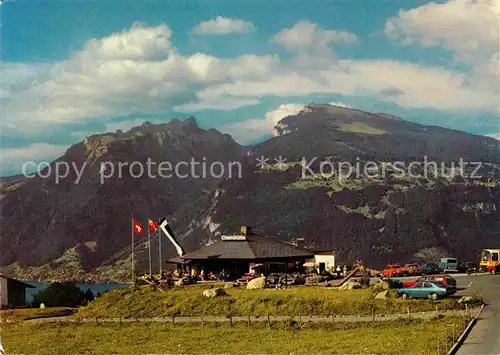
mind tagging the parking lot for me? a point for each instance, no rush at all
(484, 338)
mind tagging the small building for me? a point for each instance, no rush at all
(323, 258)
(242, 253)
(12, 292)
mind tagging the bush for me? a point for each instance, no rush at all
(61, 295)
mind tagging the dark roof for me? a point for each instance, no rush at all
(254, 247)
(176, 260)
(20, 282)
(319, 250)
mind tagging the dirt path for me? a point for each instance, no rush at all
(251, 319)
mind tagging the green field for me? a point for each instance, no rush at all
(308, 301)
(398, 337)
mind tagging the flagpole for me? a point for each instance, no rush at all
(133, 271)
(159, 250)
(149, 249)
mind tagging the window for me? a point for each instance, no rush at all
(418, 284)
(427, 285)
(494, 257)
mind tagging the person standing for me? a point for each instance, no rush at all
(345, 270)
(339, 271)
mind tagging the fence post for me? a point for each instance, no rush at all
(173, 319)
(269, 320)
(249, 319)
(408, 311)
(202, 321)
(373, 314)
(230, 320)
(96, 321)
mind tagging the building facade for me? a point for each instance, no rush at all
(242, 253)
(12, 292)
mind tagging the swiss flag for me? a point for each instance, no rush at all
(137, 227)
(152, 225)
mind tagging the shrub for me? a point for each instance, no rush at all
(61, 295)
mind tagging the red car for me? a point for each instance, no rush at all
(246, 278)
(445, 279)
(393, 270)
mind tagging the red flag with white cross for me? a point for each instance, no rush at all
(137, 227)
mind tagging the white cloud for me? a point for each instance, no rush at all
(219, 103)
(468, 28)
(340, 104)
(283, 111)
(306, 36)
(418, 86)
(250, 130)
(222, 26)
(12, 159)
(247, 131)
(139, 70)
(495, 135)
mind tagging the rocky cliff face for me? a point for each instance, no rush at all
(43, 219)
(376, 217)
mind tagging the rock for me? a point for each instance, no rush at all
(381, 286)
(214, 292)
(256, 284)
(381, 295)
(351, 285)
(465, 299)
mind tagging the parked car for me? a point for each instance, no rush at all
(430, 268)
(444, 279)
(448, 264)
(393, 270)
(427, 289)
(246, 278)
(412, 269)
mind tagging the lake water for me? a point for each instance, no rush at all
(95, 288)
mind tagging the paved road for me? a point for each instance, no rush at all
(484, 338)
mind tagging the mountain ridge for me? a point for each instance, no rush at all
(373, 219)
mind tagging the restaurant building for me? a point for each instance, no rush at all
(245, 253)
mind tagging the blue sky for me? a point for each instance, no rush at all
(70, 69)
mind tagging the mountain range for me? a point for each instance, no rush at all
(341, 178)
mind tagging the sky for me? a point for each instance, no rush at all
(74, 68)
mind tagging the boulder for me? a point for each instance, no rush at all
(214, 292)
(381, 295)
(350, 285)
(256, 284)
